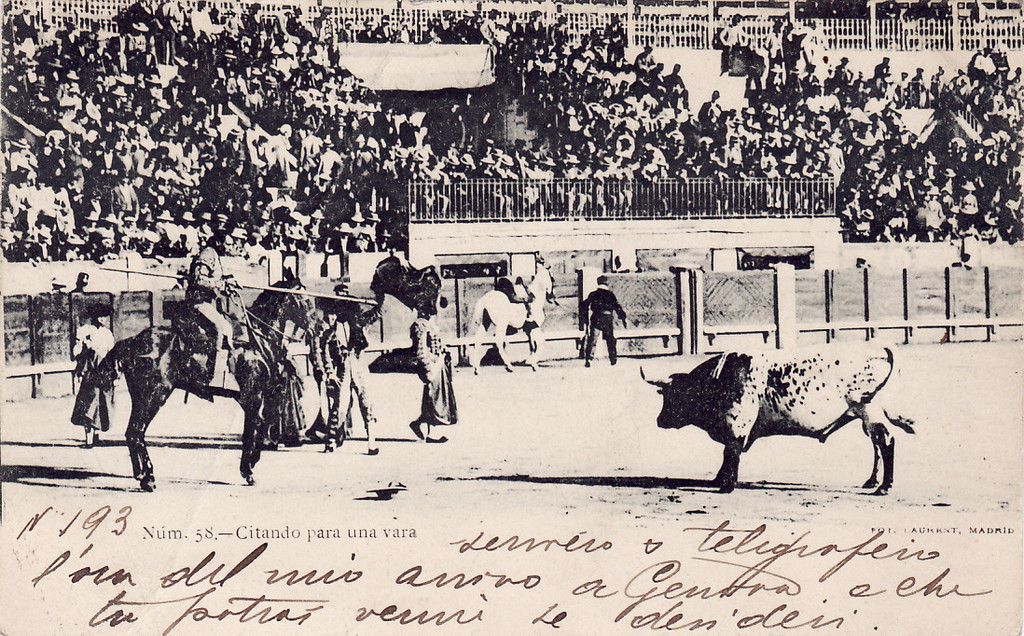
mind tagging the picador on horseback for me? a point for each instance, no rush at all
(201, 323)
(158, 360)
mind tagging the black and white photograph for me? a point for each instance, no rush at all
(511, 317)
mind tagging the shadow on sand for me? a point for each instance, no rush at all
(188, 443)
(31, 475)
(670, 483)
(53, 477)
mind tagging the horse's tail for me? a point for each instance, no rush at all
(480, 315)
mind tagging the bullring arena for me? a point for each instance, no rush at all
(571, 438)
(759, 196)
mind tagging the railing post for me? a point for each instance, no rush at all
(908, 331)
(710, 31)
(459, 299)
(409, 201)
(581, 320)
(869, 333)
(957, 38)
(829, 335)
(696, 317)
(32, 358)
(683, 283)
(989, 328)
(631, 24)
(950, 311)
(784, 306)
(872, 25)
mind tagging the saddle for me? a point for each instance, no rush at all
(204, 365)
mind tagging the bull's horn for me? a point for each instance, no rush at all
(643, 376)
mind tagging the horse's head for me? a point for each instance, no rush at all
(285, 311)
(541, 285)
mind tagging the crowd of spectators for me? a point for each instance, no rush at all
(177, 127)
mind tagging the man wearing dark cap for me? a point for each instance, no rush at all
(345, 370)
(600, 309)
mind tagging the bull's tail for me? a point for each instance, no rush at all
(890, 359)
(904, 423)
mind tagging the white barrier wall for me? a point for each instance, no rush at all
(428, 240)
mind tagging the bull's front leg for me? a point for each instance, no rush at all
(872, 481)
(885, 447)
(728, 474)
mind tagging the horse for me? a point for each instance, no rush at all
(495, 315)
(295, 318)
(417, 289)
(154, 364)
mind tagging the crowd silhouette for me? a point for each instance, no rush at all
(173, 127)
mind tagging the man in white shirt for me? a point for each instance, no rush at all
(93, 341)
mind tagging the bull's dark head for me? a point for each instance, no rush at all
(701, 396)
(670, 415)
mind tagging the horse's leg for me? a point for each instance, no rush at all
(531, 345)
(536, 344)
(144, 409)
(476, 356)
(250, 442)
(501, 341)
(130, 436)
(251, 399)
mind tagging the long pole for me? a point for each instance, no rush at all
(295, 292)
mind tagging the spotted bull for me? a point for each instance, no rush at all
(739, 397)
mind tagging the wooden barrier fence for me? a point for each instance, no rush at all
(681, 311)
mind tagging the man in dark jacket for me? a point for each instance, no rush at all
(345, 370)
(600, 309)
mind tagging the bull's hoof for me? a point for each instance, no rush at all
(870, 483)
(249, 480)
(509, 369)
(476, 370)
(148, 484)
(882, 490)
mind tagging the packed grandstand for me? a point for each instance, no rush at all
(174, 125)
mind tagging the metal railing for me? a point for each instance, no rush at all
(651, 25)
(496, 200)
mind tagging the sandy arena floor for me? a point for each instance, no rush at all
(568, 438)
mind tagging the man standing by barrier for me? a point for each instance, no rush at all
(92, 342)
(600, 309)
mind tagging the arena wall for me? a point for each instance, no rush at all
(669, 312)
(624, 239)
